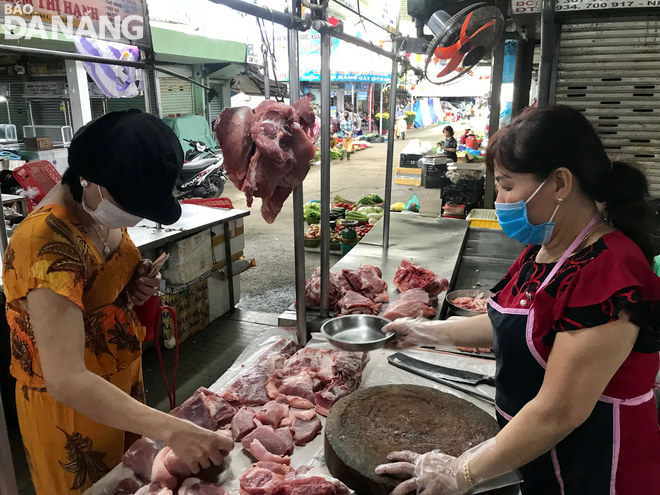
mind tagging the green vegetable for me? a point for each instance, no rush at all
(335, 153)
(312, 213)
(373, 221)
(339, 199)
(371, 199)
(376, 216)
(339, 212)
(364, 209)
(354, 215)
(378, 209)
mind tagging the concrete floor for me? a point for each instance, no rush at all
(269, 286)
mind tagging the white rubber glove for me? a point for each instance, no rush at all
(436, 473)
(413, 332)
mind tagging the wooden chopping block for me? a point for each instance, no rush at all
(364, 427)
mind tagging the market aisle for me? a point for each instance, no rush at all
(270, 286)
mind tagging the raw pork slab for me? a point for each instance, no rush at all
(264, 479)
(233, 130)
(414, 303)
(339, 286)
(128, 486)
(140, 457)
(412, 276)
(367, 280)
(328, 374)
(206, 409)
(277, 442)
(273, 412)
(195, 486)
(353, 303)
(155, 488)
(249, 389)
(304, 431)
(242, 424)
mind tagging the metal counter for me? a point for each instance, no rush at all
(434, 243)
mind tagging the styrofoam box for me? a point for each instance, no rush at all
(237, 239)
(189, 258)
(219, 295)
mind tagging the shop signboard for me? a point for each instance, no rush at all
(534, 6)
(123, 21)
(49, 69)
(45, 89)
(362, 96)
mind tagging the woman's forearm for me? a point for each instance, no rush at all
(100, 401)
(531, 433)
(476, 331)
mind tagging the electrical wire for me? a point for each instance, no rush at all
(269, 53)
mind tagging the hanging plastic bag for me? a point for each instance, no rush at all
(413, 204)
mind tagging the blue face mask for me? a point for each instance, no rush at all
(513, 219)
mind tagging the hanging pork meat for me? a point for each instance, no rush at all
(267, 151)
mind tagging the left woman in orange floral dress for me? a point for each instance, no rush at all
(71, 276)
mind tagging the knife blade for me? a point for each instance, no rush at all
(436, 378)
(451, 374)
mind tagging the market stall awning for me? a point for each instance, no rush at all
(172, 44)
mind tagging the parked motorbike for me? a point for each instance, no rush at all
(203, 174)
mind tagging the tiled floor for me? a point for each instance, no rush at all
(203, 358)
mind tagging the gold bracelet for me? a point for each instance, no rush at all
(466, 472)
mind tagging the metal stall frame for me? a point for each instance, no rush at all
(327, 31)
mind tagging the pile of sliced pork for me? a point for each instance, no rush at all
(267, 151)
(270, 408)
(267, 478)
(361, 291)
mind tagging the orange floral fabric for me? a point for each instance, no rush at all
(68, 452)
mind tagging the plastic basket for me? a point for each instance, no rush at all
(482, 218)
(410, 161)
(39, 175)
(224, 203)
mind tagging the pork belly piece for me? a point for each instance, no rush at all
(414, 303)
(412, 276)
(206, 409)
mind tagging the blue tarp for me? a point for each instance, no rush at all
(434, 116)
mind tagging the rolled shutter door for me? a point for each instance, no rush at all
(176, 96)
(609, 69)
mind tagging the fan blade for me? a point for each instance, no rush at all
(464, 36)
(445, 53)
(481, 29)
(451, 65)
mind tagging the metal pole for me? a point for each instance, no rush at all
(7, 477)
(3, 231)
(370, 102)
(324, 27)
(495, 95)
(522, 77)
(547, 50)
(381, 110)
(325, 174)
(298, 218)
(353, 99)
(287, 20)
(389, 163)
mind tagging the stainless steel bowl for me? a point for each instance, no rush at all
(356, 332)
(455, 310)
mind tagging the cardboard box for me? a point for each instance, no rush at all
(408, 176)
(38, 143)
(190, 258)
(219, 295)
(237, 241)
(191, 305)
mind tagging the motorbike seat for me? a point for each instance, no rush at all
(196, 166)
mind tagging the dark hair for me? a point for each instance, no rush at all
(541, 140)
(449, 129)
(72, 181)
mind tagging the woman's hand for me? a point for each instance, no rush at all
(430, 474)
(197, 447)
(413, 332)
(142, 288)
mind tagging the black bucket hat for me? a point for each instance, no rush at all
(136, 157)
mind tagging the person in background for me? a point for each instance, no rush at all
(471, 141)
(346, 128)
(464, 136)
(72, 276)
(450, 146)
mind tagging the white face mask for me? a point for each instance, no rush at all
(109, 214)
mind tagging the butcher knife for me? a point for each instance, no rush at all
(428, 370)
(447, 373)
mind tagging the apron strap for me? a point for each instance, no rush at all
(578, 240)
